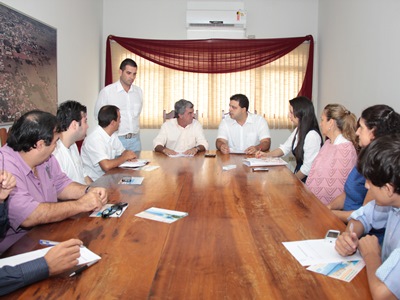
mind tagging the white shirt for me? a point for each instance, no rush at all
(98, 146)
(312, 144)
(70, 161)
(241, 137)
(178, 138)
(130, 105)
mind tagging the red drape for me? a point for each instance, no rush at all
(214, 55)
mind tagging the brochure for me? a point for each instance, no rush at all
(345, 271)
(264, 162)
(162, 215)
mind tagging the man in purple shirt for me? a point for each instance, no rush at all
(40, 181)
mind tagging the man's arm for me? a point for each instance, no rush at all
(263, 146)
(58, 260)
(222, 145)
(108, 164)
(164, 150)
(371, 253)
(58, 211)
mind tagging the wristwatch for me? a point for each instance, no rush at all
(198, 148)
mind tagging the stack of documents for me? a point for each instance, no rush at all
(264, 162)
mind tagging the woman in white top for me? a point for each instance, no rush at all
(305, 141)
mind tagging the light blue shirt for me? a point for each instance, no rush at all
(373, 215)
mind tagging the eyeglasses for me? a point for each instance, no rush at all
(114, 209)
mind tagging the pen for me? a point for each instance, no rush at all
(83, 268)
(48, 243)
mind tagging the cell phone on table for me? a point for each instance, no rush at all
(210, 155)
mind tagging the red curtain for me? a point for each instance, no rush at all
(214, 55)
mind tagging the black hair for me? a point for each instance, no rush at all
(127, 62)
(69, 111)
(107, 114)
(379, 162)
(303, 109)
(30, 128)
(381, 119)
(242, 99)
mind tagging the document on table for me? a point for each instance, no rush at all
(264, 162)
(312, 252)
(180, 155)
(134, 164)
(162, 215)
(86, 257)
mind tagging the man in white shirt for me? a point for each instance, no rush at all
(182, 134)
(102, 150)
(241, 131)
(72, 118)
(129, 99)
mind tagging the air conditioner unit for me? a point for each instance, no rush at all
(215, 14)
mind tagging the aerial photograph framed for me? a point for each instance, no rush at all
(28, 65)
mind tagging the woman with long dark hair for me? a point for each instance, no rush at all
(305, 141)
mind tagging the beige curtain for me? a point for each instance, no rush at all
(269, 88)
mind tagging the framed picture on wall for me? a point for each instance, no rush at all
(28, 65)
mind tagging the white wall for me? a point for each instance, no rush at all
(359, 61)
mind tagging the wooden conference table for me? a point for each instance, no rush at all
(228, 247)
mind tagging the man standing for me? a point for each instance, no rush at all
(102, 150)
(40, 181)
(129, 99)
(241, 131)
(72, 118)
(181, 134)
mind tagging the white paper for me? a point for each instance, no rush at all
(264, 162)
(87, 256)
(236, 151)
(134, 164)
(312, 252)
(181, 155)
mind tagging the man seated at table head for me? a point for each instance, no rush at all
(379, 163)
(102, 150)
(59, 259)
(241, 131)
(40, 181)
(182, 134)
(72, 118)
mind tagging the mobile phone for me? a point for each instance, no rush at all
(332, 235)
(210, 155)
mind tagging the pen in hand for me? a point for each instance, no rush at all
(48, 243)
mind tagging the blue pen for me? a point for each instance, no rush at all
(48, 243)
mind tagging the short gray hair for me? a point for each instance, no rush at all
(181, 105)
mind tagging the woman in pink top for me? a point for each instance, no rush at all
(337, 156)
